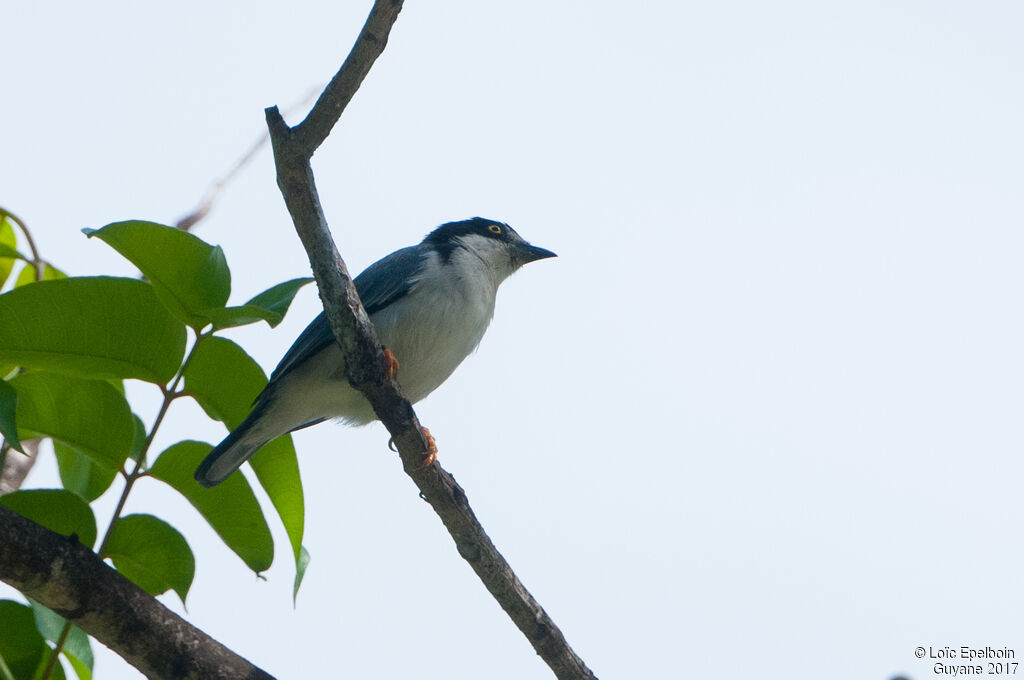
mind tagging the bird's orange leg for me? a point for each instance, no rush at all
(431, 456)
(391, 361)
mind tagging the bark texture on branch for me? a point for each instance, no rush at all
(64, 575)
(364, 358)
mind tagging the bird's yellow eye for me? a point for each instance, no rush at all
(495, 229)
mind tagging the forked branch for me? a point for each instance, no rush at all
(364, 358)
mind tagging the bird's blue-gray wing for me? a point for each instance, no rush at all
(379, 285)
(389, 278)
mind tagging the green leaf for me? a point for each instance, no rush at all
(232, 317)
(83, 671)
(8, 408)
(225, 381)
(57, 510)
(277, 469)
(89, 415)
(230, 507)
(93, 327)
(277, 299)
(189, 275)
(8, 252)
(152, 554)
(138, 438)
(28, 275)
(300, 573)
(77, 648)
(9, 243)
(271, 305)
(80, 475)
(22, 648)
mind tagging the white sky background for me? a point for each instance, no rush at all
(761, 418)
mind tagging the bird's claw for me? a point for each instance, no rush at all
(391, 362)
(431, 456)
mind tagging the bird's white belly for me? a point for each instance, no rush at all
(433, 338)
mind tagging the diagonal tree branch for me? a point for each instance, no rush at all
(364, 359)
(67, 577)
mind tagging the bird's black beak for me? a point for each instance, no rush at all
(528, 253)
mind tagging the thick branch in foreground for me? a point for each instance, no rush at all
(67, 577)
(364, 361)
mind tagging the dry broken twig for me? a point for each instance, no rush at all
(205, 204)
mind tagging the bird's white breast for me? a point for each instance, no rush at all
(439, 322)
(430, 330)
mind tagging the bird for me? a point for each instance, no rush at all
(430, 303)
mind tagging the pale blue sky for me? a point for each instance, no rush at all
(761, 419)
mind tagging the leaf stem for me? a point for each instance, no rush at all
(137, 471)
(37, 261)
(56, 651)
(170, 394)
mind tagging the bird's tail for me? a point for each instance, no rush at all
(228, 456)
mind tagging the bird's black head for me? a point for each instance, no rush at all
(446, 238)
(452, 232)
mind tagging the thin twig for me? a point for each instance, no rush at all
(4, 212)
(205, 204)
(129, 484)
(55, 654)
(363, 357)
